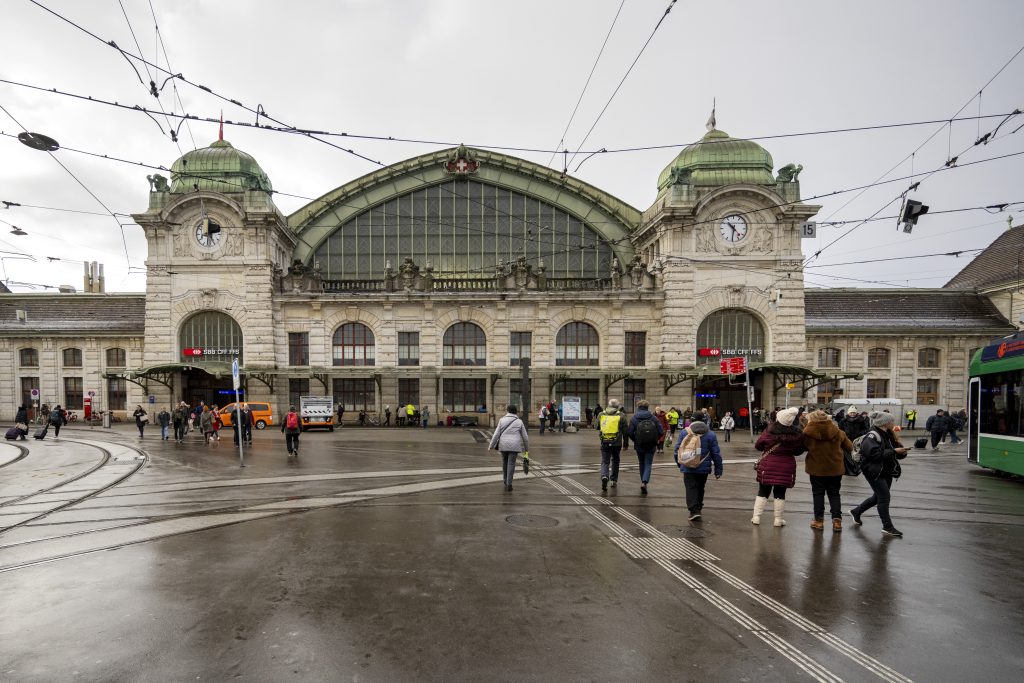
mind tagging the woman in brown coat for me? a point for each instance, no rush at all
(825, 444)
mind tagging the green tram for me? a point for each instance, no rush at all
(995, 437)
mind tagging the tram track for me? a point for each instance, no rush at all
(105, 461)
(21, 456)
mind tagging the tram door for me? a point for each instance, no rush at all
(973, 419)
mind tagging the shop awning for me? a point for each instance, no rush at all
(804, 378)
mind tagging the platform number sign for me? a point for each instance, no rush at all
(808, 230)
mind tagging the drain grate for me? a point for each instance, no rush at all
(532, 521)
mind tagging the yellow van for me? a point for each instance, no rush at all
(261, 413)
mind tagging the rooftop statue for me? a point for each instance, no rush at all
(789, 173)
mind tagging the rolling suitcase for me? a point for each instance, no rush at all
(41, 432)
(13, 434)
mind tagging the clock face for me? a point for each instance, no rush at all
(733, 228)
(208, 233)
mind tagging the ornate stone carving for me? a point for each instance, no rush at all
(157, 183)
(763, 241)
(302, 278)
(789, 173)
(706, 238)
(182, 246)
(408, 273)
(233, 245)
(680, 176)
(461, 162)
(616, 273)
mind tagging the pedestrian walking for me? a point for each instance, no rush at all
(911, 418)
(542, 417)
(58, 418)
(217, 422)
(780, 443)
(237, 425)
(612, 425)
(673, 422)
(880, 453)
(510, 439)
(206, 424)
(180, 421)
(21, 422)
(589, 412)
(728, 424)
(663, 420)
(956, 423)
(552, 416)
(856, 424)
(290, 427)
(645, 430)
(341, 413)
(164, 418)
(696, 452)
(744, 418)
(425, 415)
(824, 464)
(937, 425)
(141, 418)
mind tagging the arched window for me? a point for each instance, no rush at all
(354, 345)
(730, 332)
(465, 344)
(72, 358)
(577, 344)
(829, 357)
(28, 358)
(878, 357)
(116, 358)
(928, 358)
(210, 337)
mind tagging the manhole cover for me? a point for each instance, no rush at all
(682, 531)
(533, 521)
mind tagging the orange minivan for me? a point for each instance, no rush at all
(261, 413)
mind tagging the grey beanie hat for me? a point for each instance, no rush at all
(698, 427)
(882, 420)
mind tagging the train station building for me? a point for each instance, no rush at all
(432, 281)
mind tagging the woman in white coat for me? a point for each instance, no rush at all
(510, 438)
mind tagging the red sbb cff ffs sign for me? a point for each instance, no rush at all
(733, 366)
(192, 352)
(198, 351)
(708, 353)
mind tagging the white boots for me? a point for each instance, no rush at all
(780, 505)
(761, 503)
(759, 506)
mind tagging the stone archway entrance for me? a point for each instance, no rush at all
(199, 385)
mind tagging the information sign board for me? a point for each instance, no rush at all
(571, 408)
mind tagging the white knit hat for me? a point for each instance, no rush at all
(786, 417)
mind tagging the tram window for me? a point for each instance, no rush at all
(1002, 403)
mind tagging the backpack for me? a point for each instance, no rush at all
(610, 427)
(646, 433)
(852, 461)
(689, 451)
(292, 421)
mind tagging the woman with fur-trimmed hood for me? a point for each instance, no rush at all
(825, 444)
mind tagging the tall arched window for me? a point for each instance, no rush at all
(577, 344)
(730, 332)
(829, 357)
(72, 358)
(211, 337)
(354, 345)
(878, 358)
(465, 344)
(116, 358)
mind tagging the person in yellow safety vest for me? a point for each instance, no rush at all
(410, 415)
(673, 421)
(911, 418)
(612, 424)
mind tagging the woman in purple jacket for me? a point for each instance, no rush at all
(776, 470)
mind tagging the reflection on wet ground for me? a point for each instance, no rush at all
(393, 554)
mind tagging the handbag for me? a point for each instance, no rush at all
(851, 465)
(22, 426)
(143, 418)
(757, 465)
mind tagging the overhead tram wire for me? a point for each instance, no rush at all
(99, 201)
(615, 92)
(946, 122)
(167, 60)
(187, 118)
(586, 84)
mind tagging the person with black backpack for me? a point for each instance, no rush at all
(58, 418)
(645, 430)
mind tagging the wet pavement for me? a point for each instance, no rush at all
(395, 554)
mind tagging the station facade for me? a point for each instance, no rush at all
(432, 281)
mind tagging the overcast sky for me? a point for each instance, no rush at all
(509, 74)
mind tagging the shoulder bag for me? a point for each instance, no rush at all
(757, 465)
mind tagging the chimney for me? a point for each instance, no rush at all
(94, 280)
(86, 278)
(102, 281)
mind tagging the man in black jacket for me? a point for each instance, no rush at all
(937, 424)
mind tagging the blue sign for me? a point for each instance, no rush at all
(707, 395)
(152, 398)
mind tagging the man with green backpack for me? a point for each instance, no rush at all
(612, 425)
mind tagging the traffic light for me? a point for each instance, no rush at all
(912, 210)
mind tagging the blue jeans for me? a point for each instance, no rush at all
(953, 438)
(881, 498)
(543, 423)
(646, 460)
(610, 457)
(163, 431)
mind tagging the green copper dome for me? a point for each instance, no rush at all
(218, 168)
(719, 160)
